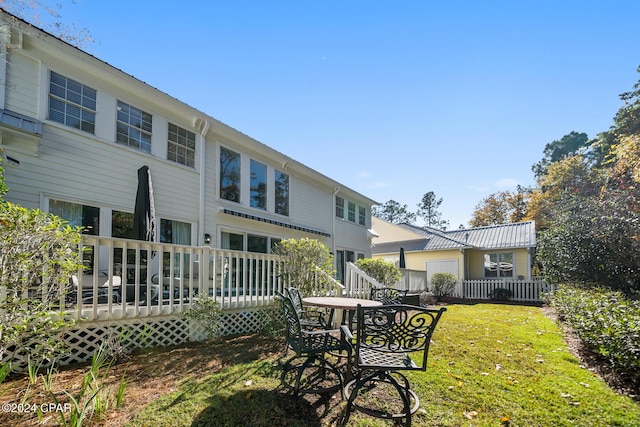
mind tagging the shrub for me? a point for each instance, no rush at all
(307, 264)
(208, 313)
(606, 322)
(443, 284)
(39, 256)
(382, 271)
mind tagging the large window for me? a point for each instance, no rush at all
(498, 265)
(133, 127)
(282, 193)
(258, 189)
(181, 145)
(72, 103)
(229, 175)
(87, 217)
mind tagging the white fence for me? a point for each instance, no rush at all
(517, 290)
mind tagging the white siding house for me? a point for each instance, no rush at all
(74, 131)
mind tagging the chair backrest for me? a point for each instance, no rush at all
(388, 296)
(296, 298)
(293, 330)
(396, 329)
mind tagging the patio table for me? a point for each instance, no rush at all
(348, 305)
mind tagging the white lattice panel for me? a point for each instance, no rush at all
(85, 338)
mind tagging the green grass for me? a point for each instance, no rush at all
(489, 365)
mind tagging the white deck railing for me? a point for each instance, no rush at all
(130, 278)
(357, 283)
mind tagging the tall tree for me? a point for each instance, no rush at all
(32, 12)
(566, 146)
(428, 209)
(394, 213)
(503, 207)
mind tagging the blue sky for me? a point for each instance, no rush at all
(391, 98)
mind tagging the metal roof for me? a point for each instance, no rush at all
(517, 235)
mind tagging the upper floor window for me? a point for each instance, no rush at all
(339, 207)
(181, 145)
(229, 175)
(282, 193)
(498, 265)
(352, 212)
(72, 103)
(362, 215)
(133, 127)
(258, 189)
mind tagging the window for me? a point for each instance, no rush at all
(282, 193)
(77, 215)
(362, 215)
(257, 244)
(122, 225)
(181, 146)
(133, 127)
(352, 212)
(258, 189)
(229, 175)
(175, 232)
(72, 103)
(232, 241)
(339, 207)
(498, 265)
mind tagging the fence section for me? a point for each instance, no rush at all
(513, 290)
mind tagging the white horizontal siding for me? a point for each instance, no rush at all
(22, 92)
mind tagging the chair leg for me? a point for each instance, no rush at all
(404, 392)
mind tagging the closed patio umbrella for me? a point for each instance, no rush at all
(144, 214)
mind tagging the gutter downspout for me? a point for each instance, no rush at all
(203, 143)
(333, 221)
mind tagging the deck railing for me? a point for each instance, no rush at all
(131, 278)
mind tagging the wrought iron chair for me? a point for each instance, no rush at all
(388, 296)
(387, 336)
(310, 376)
(309, 319)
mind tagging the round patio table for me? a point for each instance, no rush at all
(349, 305)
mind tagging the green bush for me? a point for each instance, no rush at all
(606, 322)
(307, 264)
(39, 256)
(443, 284)
(383, 271)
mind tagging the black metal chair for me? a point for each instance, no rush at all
(309, 318)
(387, 336)
(310, 376)
(388, 296)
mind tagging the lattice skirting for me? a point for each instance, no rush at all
(125, 336)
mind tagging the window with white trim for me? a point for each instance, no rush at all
(229, 175)
(339, 207)
(133, 127)
(362, 215)
(72, 103)
(181, 145)
(498, 264)
(258, 186)
(282, 193)
(351, 213)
